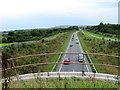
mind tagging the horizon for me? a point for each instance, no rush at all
(29, 14)
(60, 26)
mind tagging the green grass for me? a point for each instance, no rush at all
(90, 34)
(47, 38)
(95, 45)
(5, 44)
(47, 46)
(85, 48)
(64, 83)
(54, 36)
(62, 49)
(82, 42)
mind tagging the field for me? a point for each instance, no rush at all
(100, 45)
(57, 43)
(99, 36)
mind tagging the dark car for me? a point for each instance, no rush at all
(80, 58)
(71, 45)
(77, 42)
(66, 61)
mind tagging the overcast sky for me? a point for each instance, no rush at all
(20, 14)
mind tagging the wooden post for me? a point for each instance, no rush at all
(6, 82)
(13, 62)
(59, 76)
(83, 72)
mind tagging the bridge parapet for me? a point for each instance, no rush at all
(44, 75)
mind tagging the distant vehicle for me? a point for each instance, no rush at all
(71, 45)
(77, 42)
(76, 38)
(66, 61)
(80, 58)
(72, 38)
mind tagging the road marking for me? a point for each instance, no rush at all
(62, 64)
(87, 67)
(82, 51)
(65, 54)
(74, 57)
(91, 62)
(56, 62)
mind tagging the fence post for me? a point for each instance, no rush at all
(48, 74)
(94, 76)
(13, 62)
(59, 75)
(6, 82)
(83, 72)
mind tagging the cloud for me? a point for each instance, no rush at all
(66, 10)
(23, 7)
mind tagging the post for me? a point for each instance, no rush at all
(47, 65)
(13, 62)
(83, 72)
(4, 66)
(59, 76)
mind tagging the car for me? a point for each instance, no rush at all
(66, 61)
(72, 39)
(71, 45)
(80, 58)
(77, 42)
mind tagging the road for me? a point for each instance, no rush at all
(74, 57)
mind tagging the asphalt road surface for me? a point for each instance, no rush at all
(74, 57)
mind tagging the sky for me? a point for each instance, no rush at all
(25, 14)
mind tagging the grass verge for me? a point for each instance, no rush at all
(64, 83)
(47, 38)
(85, 48)
(95, 45)
(90, 34)
(62, 49)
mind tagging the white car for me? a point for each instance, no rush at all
(80, 58)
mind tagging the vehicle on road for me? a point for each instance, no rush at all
(71, 45)
(72, 38)
(80, 58)
(66, 61)
(73, 35)
(77, 42)
(76, 38)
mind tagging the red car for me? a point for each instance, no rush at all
(66, 61)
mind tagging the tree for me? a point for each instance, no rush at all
(101, 23)
(11, 33)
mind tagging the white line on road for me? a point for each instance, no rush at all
(74, 57)
(87, 67)
(56, 62)
(91, 62)
(82, 51)
(65, 54)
